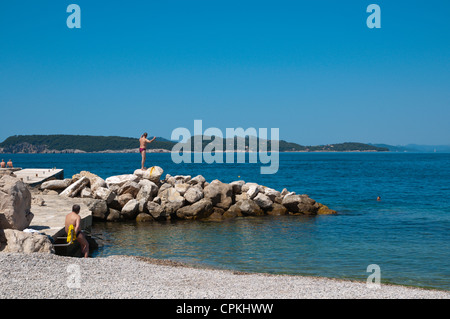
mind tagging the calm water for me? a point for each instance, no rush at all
(407, 234)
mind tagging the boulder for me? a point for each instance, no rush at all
(242, 196)
(156, 211)
(148, 187)
(98, 208)
(271, 193)
(124, 199)
(324, 210)
(95, 181)
(276, 210)
(232, 212)
(252, 191)
(263, 201)
(182, 179)
(86, 193)
(172, 196)
(15, 203)
(247, 186)
(237, 186)
(16, 241)
(113, 215)
(181, 188)
(153, 173)
(216, 215)
(201, 209)
(300, 204)
(143, 217)
(115, 182)
(129, 211)
(197, 180)
(169, 179)
(142, 207)
(129, 187)
(56, 184)
(193, 194)
(163, 187)
(170, 208)
(220, 194)
(75, 188)
(248, 207)
(105, 194)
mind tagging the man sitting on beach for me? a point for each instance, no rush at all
(10, 165)
(3, 164)
(74, 219)
(143, 147)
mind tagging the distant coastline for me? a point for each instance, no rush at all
(53, 144)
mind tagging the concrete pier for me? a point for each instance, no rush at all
(36, 176)
(49, 218)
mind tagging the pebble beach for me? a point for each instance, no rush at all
(49, 276)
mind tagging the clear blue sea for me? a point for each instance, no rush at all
(407, 233)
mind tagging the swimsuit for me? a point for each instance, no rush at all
(141, 149)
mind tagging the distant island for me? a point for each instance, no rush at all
(116, 144)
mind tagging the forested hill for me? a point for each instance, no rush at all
(86, 143)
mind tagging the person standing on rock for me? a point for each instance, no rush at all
(74, 219)
(143, 147)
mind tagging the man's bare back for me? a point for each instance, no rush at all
(74, 219)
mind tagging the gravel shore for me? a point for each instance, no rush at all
(50, 276)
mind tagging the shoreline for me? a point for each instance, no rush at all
(41, 275)
(132, 151)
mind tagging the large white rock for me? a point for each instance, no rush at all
(15, 203)
(57, 184)
(153, 173)
(74, 189)
(130, 209)
(197, 180)
(118, 180)
(148, 190)
(16, 241)
(105, 194)
(182, 188)
(193, 194)
(95, 181)
(252, 191)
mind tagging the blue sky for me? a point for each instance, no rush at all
(313, 69)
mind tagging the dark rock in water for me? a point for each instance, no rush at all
(217, 214)
(143, 217)
(324, 210)
(300, 204)
(276, 210)
(113, 215)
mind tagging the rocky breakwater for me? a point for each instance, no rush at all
(145, 196)
(15, 216)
